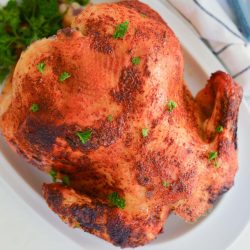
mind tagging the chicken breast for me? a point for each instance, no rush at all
(103, 107)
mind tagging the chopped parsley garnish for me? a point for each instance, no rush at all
(144, 132)
(116, 200)
(143, 15)
(136, 60)
(65, 180)
(53, 174)
(34, 108)
(84, 136)
(219, 129)
(41, 67)
(217, 164)
(77, 225)
(110, 118)
(23, 22)
(212, 155)
(171, 105)
(64, 76)
(165, 184)
(81, 2)
(121, 30)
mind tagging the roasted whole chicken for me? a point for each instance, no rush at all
(103, 107)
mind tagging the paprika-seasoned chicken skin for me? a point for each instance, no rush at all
(103, 106)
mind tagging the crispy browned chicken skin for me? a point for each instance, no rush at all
(167, 170)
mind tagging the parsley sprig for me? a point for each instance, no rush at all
(84, 136)
(66, 180)
(64, 76)
(145, 132)
(166, 184)
(23, 22)
(121, 30)
(34, 108)
(53, 174)
(110, 118)
(213, 155)
(136, 60)
(41, 67)
(219, 129)
(116, 200)
(82, 2)
(171, 105)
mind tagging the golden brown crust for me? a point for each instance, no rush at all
(117, 158)
(219, 104)
(97, 217)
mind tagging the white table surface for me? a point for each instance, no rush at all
(22, 229)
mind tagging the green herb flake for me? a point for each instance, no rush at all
(212, 155)
(171, 105)
(84, 2)
(23, 22)
(116, 200)
(34, 108)
(165, 184)
(64, 76)
(110, 118)
(136, 60)
(219, 129)
(53, 174)
(65, 180)
(121, 30)
(217, 164)
(81, 2)
(41, 67)
(143, 15)
(77, 225)
(144, 132)
(84, 136)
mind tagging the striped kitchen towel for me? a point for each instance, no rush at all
(217, 29)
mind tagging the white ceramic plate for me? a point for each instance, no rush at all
(218, 230)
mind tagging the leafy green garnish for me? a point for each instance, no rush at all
(219, 129)
(121, 30)
(34, 108)
(136, 60)
(212, 155)
(84, 136)
(171, 105)
(144, 132)
(77, 225)
(23, 22)
(217, 164)
(116, 200)
(53, 174)
(41, 67)
(64, 76)
(82, 2)
(165, 184)
(110, 118)
(65, 180)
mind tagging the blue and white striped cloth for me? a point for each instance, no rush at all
(216, 27)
